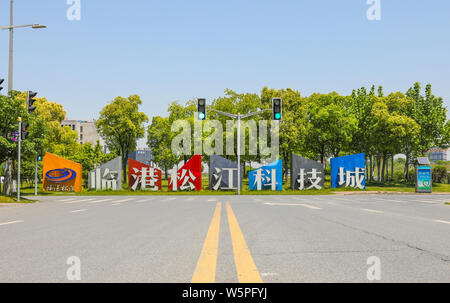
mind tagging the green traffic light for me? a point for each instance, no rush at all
(278, 116)
(201, 116)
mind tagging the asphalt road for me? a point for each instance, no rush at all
(227, 239)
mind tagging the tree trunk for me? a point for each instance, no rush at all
(392, 169)
(407, 168)
(7, 186)
(383, 169)
(378, 168)
(386, 159)
(286, 168)
(367, 169)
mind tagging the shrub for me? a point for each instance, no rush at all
(399, 176)
(439, 174)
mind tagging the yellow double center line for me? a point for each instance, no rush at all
(205, 271)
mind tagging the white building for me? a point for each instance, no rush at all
(439, 154)
(87, 131)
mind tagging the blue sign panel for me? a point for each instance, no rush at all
(268, 177)
(349, 171)
(424, 179)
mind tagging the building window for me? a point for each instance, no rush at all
(73, 127)
(81, 129)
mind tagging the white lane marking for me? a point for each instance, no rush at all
(289, 204)
(115, 204)
(441, 221)
(372, 211)
(9, 223)
(100, 201)
(339, 199)
(168, 199)
(212, 200)
(391, 200)
(78, 211)
(422, 201)
(80, 201)
(68, 200)
(124, 200)
(147, 200)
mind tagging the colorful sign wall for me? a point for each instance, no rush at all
(306, 174)
(61, 175)
(223, 174)
(107, 176)
(268, 177)
(189, 177)
(143, 177)
(349, 171)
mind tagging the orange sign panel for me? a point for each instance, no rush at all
(61, 175)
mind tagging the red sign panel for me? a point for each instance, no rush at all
(189, 177)
(143, 177)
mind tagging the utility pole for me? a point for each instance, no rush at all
(239, 152)
(239, 117)
(36, 176)
(11, 27)
(18, 166)
(11, 47)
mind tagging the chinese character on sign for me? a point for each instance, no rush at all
(218, 176)
(311, 178)
(147, 178)
(186, 177)
(353, 179)
(265, 178)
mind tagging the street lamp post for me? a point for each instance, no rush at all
(11, 28)
(239, 117)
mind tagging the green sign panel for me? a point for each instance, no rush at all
(424, 179)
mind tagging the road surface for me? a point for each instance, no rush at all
(227, 239)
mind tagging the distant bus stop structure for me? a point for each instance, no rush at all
(424, 178)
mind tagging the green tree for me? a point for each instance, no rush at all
(330, 125)
(391, 127)
(12, 108)
(431, 114)
(89, 156)
(121, 125)
(159, 139)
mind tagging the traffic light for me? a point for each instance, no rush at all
(277, 108)
(1, 81)
(40, 157)
(30, 102)
(24, 131)
(202, 109)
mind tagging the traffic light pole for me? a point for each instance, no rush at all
(239, 153)
(18, 166)
(36, 176)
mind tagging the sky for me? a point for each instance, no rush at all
(171, 50)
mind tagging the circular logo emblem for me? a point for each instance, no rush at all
(60, 175)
